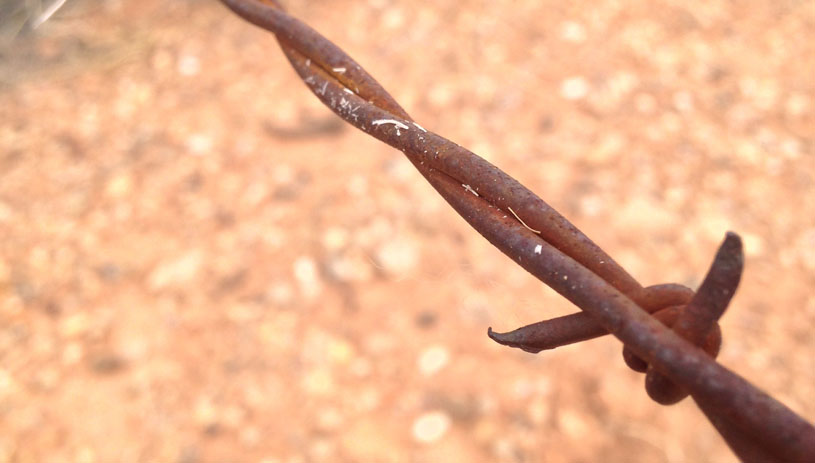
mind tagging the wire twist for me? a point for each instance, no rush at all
(668, 331)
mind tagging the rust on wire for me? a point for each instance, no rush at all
(668, 331)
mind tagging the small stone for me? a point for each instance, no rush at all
(441, 95)
(74, 325)
(398, 257)
(178, 271)
(340, 351)
(797, 104)
(572, 423)
(753, 244)
(426, 319)
(683, 101)
(206, 415)
(189, 65)
(433, 359)
(358, 185)
(430, 427)
(321, 449)
(318, 382)
(72, 353)
(283, 174)
(393, 18)
(199, 144)
(335, 238)
(250, 436)
(607, 149)
(119, 186)
(572, 31)
(305, 272)
(281, 293)
(350, 267)
(539, 411)
(7, 383)
(574, 88)
(107, 363)
(233, 416)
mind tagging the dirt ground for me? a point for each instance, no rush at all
(200, 263)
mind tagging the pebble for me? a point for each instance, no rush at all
(573, 423)
(7, 383)
(683, 101)
(753, 244)
(178, 271)
(74, 325)
(119, 186)
(250, 436)
(319, 382)
(205, 413)
(305, 272)
(72, 354)
(539, 411)
(574, 88)
(398, 257)
(358, 185)
(433, 359)
(188, 65)
(349, 268)
(199, 144)
(430, 427)
(797, 104)
(283, 174)
(572, 31)
(281, 293)
(335, 238)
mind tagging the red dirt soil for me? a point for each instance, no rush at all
(200, 263)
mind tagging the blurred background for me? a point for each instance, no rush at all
(200, 263)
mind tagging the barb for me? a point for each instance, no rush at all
(756, 426)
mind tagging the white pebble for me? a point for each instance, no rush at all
(335, 238)
(430, 427)
(398, 257)
(574, 88)
(189, 65)
(305, 271)
(433, 359)
(199, 143)
(572, 31)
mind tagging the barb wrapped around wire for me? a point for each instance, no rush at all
(660, 326)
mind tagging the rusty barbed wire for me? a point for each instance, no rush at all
(668, 331)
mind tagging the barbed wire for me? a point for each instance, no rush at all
(669, 332)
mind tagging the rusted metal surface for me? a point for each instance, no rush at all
(659, 326)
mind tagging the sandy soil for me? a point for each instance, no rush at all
(200, 263)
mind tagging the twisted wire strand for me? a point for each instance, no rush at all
(534, 235)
